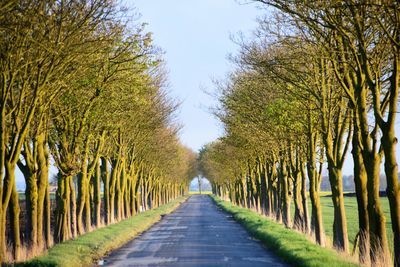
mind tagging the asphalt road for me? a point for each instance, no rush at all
(196, 234)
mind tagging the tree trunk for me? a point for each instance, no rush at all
(298, 222)
(62, 229)
(106, 181)
(360, 181)
(47, 218)
(73, 221)
(372, 160)
(2, 230)
(31, 204)
(389, 141)
(43, 184)
(97, 194)
(279, 190)
(306, 220)
(14, 209)
(3, 142)
(82, 191)
(340, 237)
(15, 229)
(316, 221)
(285, 194)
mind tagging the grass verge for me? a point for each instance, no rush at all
(85, 249)
(295, 248)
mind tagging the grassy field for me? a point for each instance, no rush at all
(294, 247)
(88, 248)
(203, 193)
(351, 215)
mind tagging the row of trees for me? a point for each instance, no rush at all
(81, 88)
(320, 79)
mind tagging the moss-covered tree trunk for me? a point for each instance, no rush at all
(295, 174)
(306, 221)
(106, 181)
(340, 237)
(62, 229)
(389, 142)
(360, 181)
(372, 160)
(113, 188)
(97, 194)
(73, 220)
(14, 217)
(30, 172)
(3, 142)
(279, 197)
(47, 219)
(316, 220)
(284, 178)
(83, 189)
(270, 193)
(298, 221)
(43, 184)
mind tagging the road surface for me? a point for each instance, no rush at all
(196, 234)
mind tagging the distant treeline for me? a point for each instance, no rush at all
(349, 184)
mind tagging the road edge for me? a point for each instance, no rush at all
(87, 249)
(295, 249)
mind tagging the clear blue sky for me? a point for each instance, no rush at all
(195, 36)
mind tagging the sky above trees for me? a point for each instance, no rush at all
(195, 36)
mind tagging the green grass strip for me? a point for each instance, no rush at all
(85, 249)
(291, 246)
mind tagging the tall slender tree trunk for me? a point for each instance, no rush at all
(14, 208)
(279, 205)
(393, 189)
(82, 191)
(43, 184)
(306, 220)
(15, 228)
(47, 218)
(106, 182)
(360, 181)
(73, 220)
(3, 142)
(97, 194)
(2, 232)
(316, 221)
(340, 237)
(113, 189)
(298, 221)
(389, 142)
(285, 194)
(264, 194)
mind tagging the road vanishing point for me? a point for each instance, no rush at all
(197, 233)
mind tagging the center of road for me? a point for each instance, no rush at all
(198, 233)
